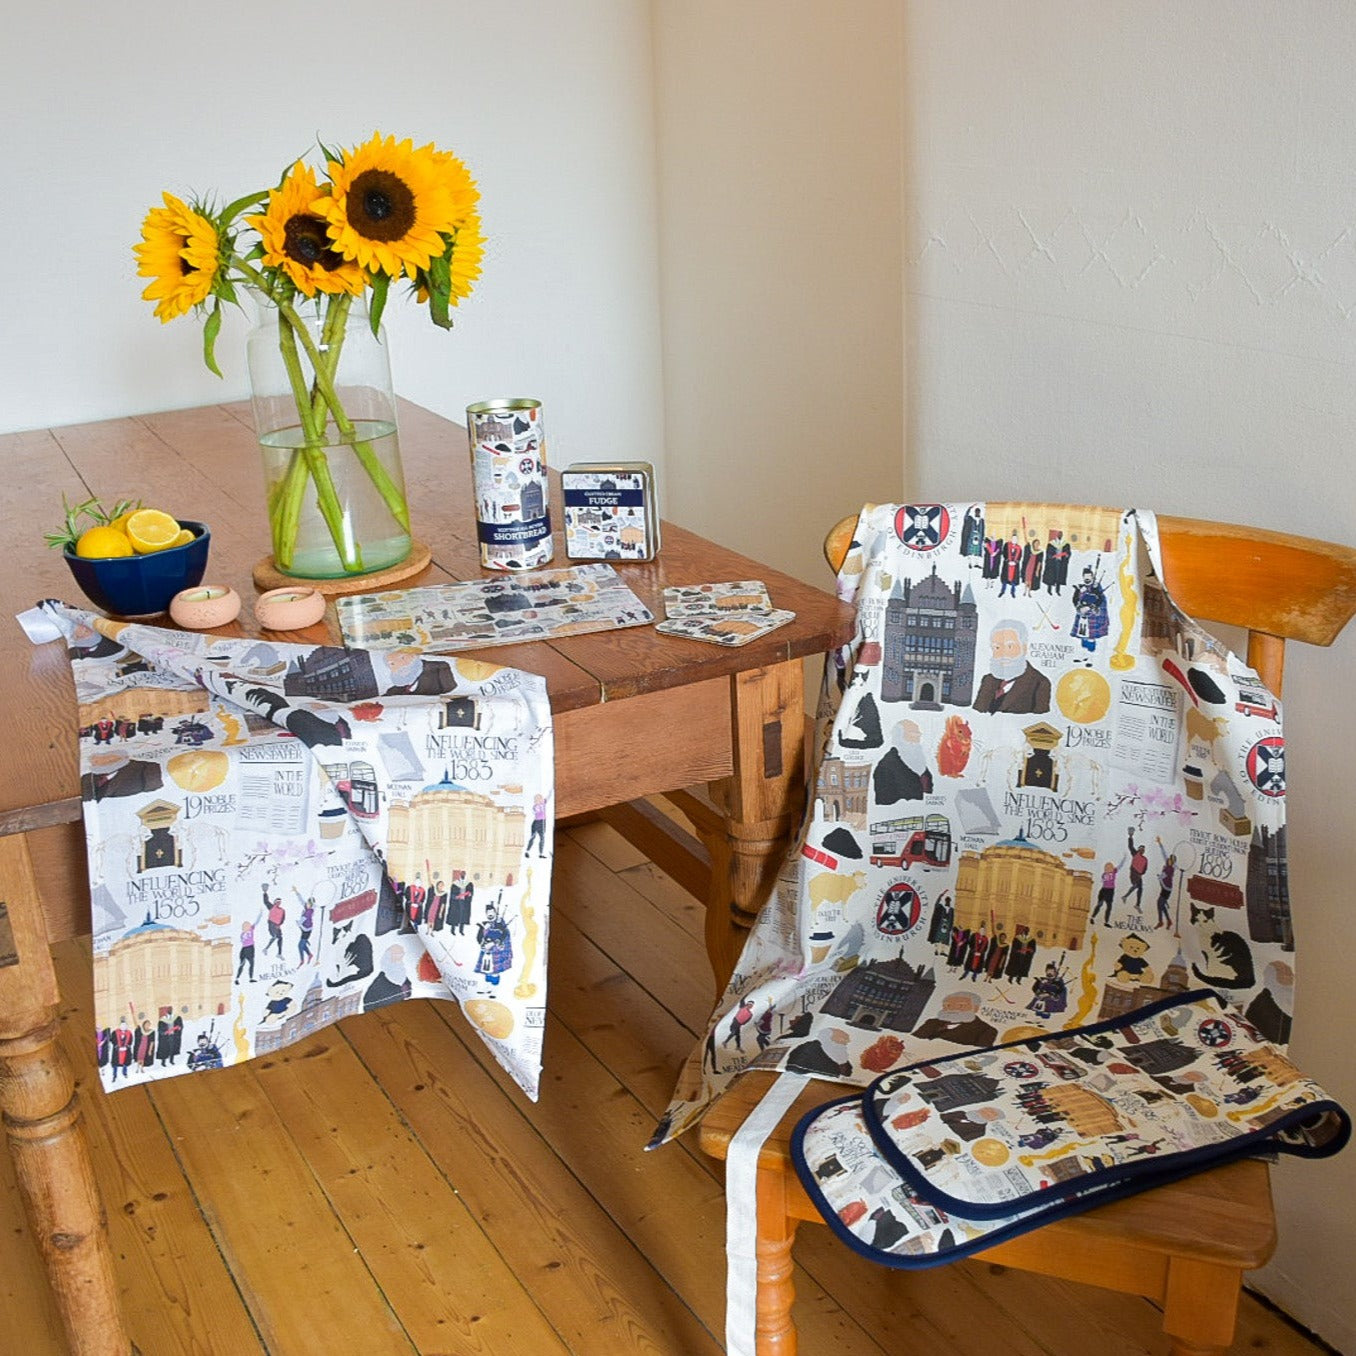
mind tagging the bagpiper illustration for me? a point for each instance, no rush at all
(496, 946)
(1091, 619)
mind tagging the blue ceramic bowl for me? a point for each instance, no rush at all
(137, 586)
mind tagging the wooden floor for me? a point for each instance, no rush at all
(382, 1188)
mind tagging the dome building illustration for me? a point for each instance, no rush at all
(154, 965)
(455, 829)
(1013, 885)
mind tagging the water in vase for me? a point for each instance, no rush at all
(365, 535)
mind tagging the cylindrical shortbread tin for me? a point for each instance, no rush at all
(508, 469)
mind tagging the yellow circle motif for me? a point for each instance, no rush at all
(490, 1015)
(476, 670)
(1083, 695)
(199, 769)
(992, 1153)
(1204, 1106)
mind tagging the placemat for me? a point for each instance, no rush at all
(540, 605)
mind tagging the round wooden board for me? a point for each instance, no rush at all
(268, 576)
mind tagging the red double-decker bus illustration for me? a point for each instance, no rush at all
(919, 840)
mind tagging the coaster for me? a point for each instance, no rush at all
(268, 576)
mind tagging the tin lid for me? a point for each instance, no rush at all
(503, 406)
(644, 468)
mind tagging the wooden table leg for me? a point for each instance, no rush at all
(761, 800)
(43, 1124)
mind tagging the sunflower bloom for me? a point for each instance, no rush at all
(180, 250)
(467, 252)
(390, 205)
(296, 240)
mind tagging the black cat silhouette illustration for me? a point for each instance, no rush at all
(358, 956)
(1232, 953)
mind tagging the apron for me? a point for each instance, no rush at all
(1044, 798)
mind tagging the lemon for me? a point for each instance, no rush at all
(184, 537)
(120, 522)
(151, 530)
(99, 543)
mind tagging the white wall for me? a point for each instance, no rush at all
(549, 105)
(779, 160)
(1132, 279)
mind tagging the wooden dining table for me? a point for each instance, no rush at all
(635, 714)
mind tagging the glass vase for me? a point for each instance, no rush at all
(325, 417)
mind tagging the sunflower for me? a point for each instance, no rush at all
(464, 251)
(467, 251)
(180, 250)
(296, 240)
(390, 205)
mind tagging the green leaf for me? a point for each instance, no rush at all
(232, 210)
(381, 285)
(225, 289)
(332, 157)
(439, 291)
(210, 330)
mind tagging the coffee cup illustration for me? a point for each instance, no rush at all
(819, 945)
(1195, 786)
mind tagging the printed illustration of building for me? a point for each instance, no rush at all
(844, 788)
(316, 1010)
(1117, 1001)
(1038, 768)
(1159, 628)
(1013, 885)
(160, 847)
(884, 995)
(153, 966)
(134, 703)
(1249, 1065)
(455, 830)
(1266, 889)
(1064, 1169)
(953, 1091)
(1085, 529)
(1159, 1057)
(490, 428)
(1080, 1108)
(534, 500)
(331, 673)
(928, 643)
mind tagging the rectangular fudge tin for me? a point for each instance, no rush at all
(611, 512)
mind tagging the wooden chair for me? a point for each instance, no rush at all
(1184, 1246)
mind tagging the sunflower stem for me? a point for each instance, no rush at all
(327, 498)
(332, 343)
(324, 360)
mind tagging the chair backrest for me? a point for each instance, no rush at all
(1276, 586)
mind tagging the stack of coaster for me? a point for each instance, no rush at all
(732, 613)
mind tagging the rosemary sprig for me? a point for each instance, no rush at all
(92, 509)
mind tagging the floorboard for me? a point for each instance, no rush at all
(383, 1188)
